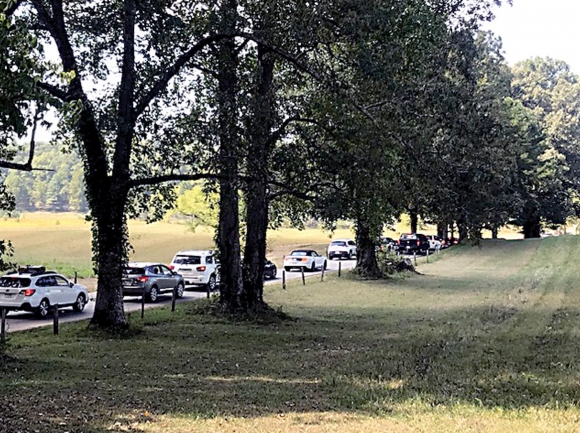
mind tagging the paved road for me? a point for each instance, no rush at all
(20, 321)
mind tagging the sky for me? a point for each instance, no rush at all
(544, 28)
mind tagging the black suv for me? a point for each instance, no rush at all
(413, 243)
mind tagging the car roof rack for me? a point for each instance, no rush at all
(33, 270)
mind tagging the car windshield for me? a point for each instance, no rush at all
(338, 243)
(14, 282)
(299, 253)
(188, 260)
(134, 271)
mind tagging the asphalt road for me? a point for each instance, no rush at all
(21, 321)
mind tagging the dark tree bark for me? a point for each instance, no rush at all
(228, 236)
(260, 146)
(494, 231)
(366, 258)
(414, 220)
(532, 228)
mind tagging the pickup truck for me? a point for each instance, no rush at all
(413, 243)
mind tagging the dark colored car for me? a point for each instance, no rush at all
(413, 243)
(151, 279)
(387, 244)
(270, 270)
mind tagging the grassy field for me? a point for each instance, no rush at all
(63, 241)
(484, 340)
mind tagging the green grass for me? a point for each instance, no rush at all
(485, 340)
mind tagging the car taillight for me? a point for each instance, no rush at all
(28, 292)
(399, 242)
(171, 267)
(143, 279)
(418, 243)
(200, 269)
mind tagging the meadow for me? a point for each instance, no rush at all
(484, 339)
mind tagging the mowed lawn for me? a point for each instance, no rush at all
(484, 340)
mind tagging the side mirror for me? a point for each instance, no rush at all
(71, 284)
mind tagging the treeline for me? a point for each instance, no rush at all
(56, 186)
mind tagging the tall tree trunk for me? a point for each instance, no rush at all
(414, 220)
(494, 231)
(462, 228)
(228, 236)
(111, 233)
(260, 146)
(366, 256)
(532, 227)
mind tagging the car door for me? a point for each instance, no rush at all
(51, 290)
(169, 280)
(352, 246)
(66, 293)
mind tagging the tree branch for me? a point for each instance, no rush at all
(174, 69)
(156, 180)
(55, 91)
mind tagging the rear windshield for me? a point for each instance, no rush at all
(338, 243)
(187, 260)
(14, 282)
(134, 271)
(299, 253)
(408, 236)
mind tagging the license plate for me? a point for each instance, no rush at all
(8, 295)
(127, 281)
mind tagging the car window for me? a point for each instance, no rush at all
(60, 281)
(133, 271)
(209, 260)
(14, 282)
(165, 270)
(187, 260)
(351, 243)
(404, 237)
(299, 253)
(338, 244)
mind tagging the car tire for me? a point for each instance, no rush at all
(287, 268)
(273, 274)
(179, 290)
(80, 303)
(211, 283)
(350, 255)
(43, 309)
(153, 294)
(313, 266)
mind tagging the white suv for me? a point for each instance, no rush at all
(33, 288)
(198, 268)
(341, 248)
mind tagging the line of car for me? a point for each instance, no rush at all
(33, 288)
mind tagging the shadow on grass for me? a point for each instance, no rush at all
(199, 366)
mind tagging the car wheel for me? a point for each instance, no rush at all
(179, 290)
(287, 268)
(350, 255)
(273, 274)
(153, 294)
(313, 266)
(211, 283)
(43, 308)
(79, 304)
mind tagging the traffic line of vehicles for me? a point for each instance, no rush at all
(35, 289)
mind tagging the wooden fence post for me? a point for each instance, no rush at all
(415, 258)
(322, 274)
(339, 268)
(173, 298)
(55, 319)
(303, 279)
(143, 305)
(427, 255)
(3, 326)
(284, 279)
